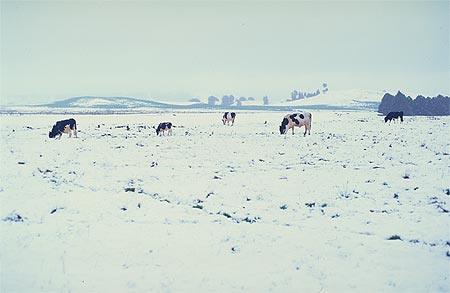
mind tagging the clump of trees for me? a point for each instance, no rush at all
(229, 100)
(426, 106)
(298, 95)
(212, 100)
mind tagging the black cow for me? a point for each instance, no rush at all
(393, 116)
(163, 127)
(63, 126)
(227, 117)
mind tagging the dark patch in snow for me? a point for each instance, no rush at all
(21, 163)
(310, 205)
(283, 207)
(394, 237)
(44, 171)
(13, 217)
(226, 215)
(239, 220)
(251, 220)
(384, 211)
(442, 209)
(55, 210)
(130, 189)
(197, 206)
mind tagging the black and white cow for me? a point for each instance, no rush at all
(163, 127)
(296, 120)
(228, 117)
(63, 126)
(393, 116)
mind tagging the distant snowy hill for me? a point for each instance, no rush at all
(105, 102)
(365, 100)
(350, 99)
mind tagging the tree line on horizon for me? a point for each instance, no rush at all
(420, 106)
(228, 100)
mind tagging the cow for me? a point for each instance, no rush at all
(64, 126)
(296, 120)
(163, 127)
(227, 117)
(393, 116)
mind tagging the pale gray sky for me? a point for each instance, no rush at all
(175, 50)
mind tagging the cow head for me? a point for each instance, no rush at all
(283, 126)
(53, 133)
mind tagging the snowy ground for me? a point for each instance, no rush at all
(357, 206)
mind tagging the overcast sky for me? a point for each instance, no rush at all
(176, 50)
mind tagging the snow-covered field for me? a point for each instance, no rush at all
(357, 206)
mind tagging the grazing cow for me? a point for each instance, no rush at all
(163, 127)
(393, 116)
(227, 117)
(296, 120)
(63, 126)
